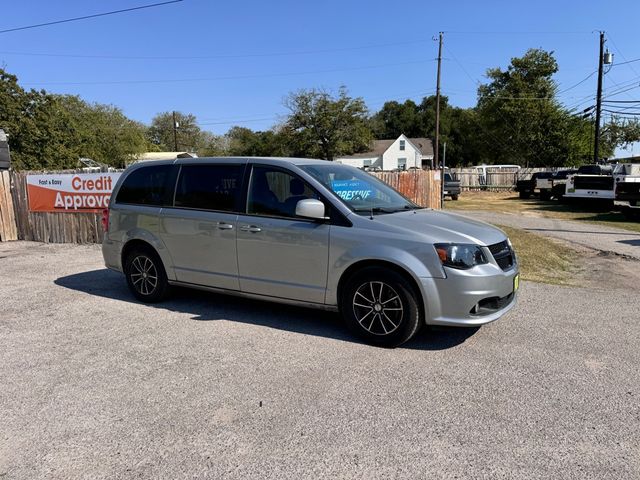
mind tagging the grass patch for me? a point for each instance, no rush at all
(543, 260)
(508, 202)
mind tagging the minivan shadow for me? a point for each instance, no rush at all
(206, 306)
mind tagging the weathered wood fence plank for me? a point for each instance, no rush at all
(8, 227)
(420, 186)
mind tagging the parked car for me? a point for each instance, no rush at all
(451, 187)
(311, 233)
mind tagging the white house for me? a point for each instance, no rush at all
(402, 153)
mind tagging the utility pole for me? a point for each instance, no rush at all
(596, 144)
(175, 132)
(437, 145)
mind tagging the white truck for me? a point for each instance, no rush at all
(628, 191)
(597, 182)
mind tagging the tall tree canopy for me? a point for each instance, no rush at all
(53, 131)
(323, 126)
(522, 120)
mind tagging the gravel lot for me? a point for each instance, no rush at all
(95, 385)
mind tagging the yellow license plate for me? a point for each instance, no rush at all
(516, 282)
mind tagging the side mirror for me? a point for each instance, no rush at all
(310, 208)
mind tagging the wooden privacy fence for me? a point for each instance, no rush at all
(8, 227)
(422, 187)
(493, 178)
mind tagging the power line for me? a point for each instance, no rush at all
(213, 57)
(75, 19)
(626, 62)
(233, 77)
(621, 113)
(579, 83)
(229, 122)
(507, 32)
(244, 119)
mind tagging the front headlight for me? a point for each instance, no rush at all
(462, 256)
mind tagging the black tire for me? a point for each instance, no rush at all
(545, 195)
(557, 191)
(454, 196)
(365, 295)
(141, 267)
(524, 194)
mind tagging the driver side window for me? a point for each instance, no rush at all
(276, 193)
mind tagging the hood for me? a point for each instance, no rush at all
(444, 227)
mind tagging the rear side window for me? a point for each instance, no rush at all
(210, 187)
(151, 185)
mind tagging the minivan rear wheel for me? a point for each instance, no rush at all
(145, 275)
(381, 307)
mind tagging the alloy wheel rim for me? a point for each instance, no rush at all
(377, 308)
(144, 275)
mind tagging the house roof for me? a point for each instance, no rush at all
(424, 144)
(380, 146)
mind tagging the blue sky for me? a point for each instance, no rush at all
(233, 62)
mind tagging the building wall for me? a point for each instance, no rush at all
(393, 153)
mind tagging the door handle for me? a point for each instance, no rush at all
(250, 228)
(225, 226)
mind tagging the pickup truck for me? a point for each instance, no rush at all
(593, 182)
(526, 188)
(451, 187)
(628, 191)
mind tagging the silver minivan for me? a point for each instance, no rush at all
(307, 232)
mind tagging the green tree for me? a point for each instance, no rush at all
(320, 125)
(103, 133)
(53, 131)
(522, 120)
(245, 142)
(37, 125)
(395, 119)
(161, 132)
(190, 137)
(620, 132)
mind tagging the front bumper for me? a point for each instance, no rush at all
(454, 301)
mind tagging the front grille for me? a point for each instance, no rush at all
(502, 254)
(498, 247)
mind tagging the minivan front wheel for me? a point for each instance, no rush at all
(381, 307)
(146, 276)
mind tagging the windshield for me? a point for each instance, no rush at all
(361, 192)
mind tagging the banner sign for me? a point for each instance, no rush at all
(350, 189)
(71, 193)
